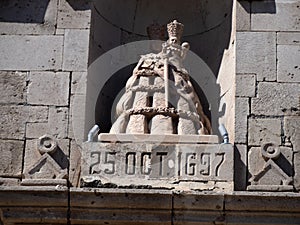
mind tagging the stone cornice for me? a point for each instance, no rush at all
(145, 206)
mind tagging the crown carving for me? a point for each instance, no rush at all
(175, 29)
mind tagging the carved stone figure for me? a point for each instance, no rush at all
(159, 97)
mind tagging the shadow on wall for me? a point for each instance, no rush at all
(32, 11)
(207, 24)
(105, 107)
(79, 4)
(268, 6)
(23, 11)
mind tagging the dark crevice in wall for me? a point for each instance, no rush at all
(23, 11)
(69, 205)
(172, 209)
(80, 4)
(104, 112)
(264, 7)
(268, 6)
(208, 35)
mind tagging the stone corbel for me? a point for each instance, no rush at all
(271, 177)
(48, 169)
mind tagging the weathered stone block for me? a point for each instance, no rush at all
(275, 98)
(292, 131)
(112, 206)
(35, 130)
(241, 119)
(9, 181)
(79, 82)
(12, 87)
(57, 124)
(191, 208)
(45, 162)
(31, 52)
(288, 38)
(267, 201)
(58, 121)
(270, 168)
(37, 114)
(74, 14)
(14, 118)
(280, 16)
(76, 47)
(288, 67)
(75, 163)
(12, 122)
(262, 131)
(11, 158)
(120, 199)
(242, 15)
(256, 53)
(196, 201)
(28, 205)
(297, 170)
(76, 123)
(255, 161)
(284, 160)
(48, 88)
(32, 153)
(28, 17)
(245, 85)
(125, 164)
(60, 32)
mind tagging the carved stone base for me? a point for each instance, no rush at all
(270, 188)
(158, 138)
(44, 182)
(182, 166)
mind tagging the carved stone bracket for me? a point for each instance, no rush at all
(48, 169)
(272, 177)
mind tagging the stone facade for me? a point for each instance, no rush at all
(252, 47)
(40, 63)
(267, 80)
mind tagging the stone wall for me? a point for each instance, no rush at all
(44, 62)
(44, 53)
(267, 84)
(46, 49)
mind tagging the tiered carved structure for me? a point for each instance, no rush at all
(159, 97)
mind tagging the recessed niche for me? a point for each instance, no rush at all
(208, 27)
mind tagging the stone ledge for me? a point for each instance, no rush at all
(137, 206)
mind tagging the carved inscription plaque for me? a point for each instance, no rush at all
(148, 164)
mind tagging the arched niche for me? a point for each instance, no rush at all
(209, 29)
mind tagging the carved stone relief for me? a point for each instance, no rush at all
(46, 164)
(270, 169)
